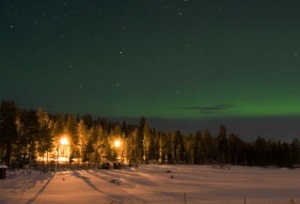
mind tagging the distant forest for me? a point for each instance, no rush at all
(26, 135)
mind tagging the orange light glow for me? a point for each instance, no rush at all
(117, 143)
(64, 141)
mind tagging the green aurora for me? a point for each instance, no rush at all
(188, 59)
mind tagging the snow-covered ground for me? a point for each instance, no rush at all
(154, 184)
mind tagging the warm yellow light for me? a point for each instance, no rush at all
(64, 141)
(117, 143)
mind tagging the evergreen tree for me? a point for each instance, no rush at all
(8, 130)
(88, 150)
(71, 129)
(88, 121)
(198, 148)
(162, 153)
(59, 125)
(46, 138)
(190, 149)
(30, 134)
(222, 144)
(295, 151)
(249, 159)
(272, 153)
(84, 136)
(143, 142)
(151, 146)
(260, 147)
(165, 147)
(209, 147)
(133, 151)
(180, 150)
(235, 149)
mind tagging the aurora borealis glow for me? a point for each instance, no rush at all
(171, 60)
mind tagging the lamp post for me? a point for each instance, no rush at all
(64, 147)
(118, 146)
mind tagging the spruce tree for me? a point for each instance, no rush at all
(8, 130)
(222, 144)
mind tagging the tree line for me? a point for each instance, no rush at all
(26, 135)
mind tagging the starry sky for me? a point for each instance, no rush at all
(186, 64)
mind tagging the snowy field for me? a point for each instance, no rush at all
(154, 184)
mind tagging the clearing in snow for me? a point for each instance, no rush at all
(154, 184)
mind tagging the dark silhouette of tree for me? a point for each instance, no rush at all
(295, 151)
(197, 147)
(151, 148)
(272, 153)
(286, 155)
(88, 121)
(210, 147)
(190, 148)
(88, 150)
(8, 130)
(222, 144)
(235, 149)
(177, 147)
(166, 148)
(59, 124)
(249, 154)
(30, 134)
(260, 148)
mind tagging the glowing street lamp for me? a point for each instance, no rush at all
(117, 143)
(64, 141)
(63, 149)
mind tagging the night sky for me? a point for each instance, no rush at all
(185, 64)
